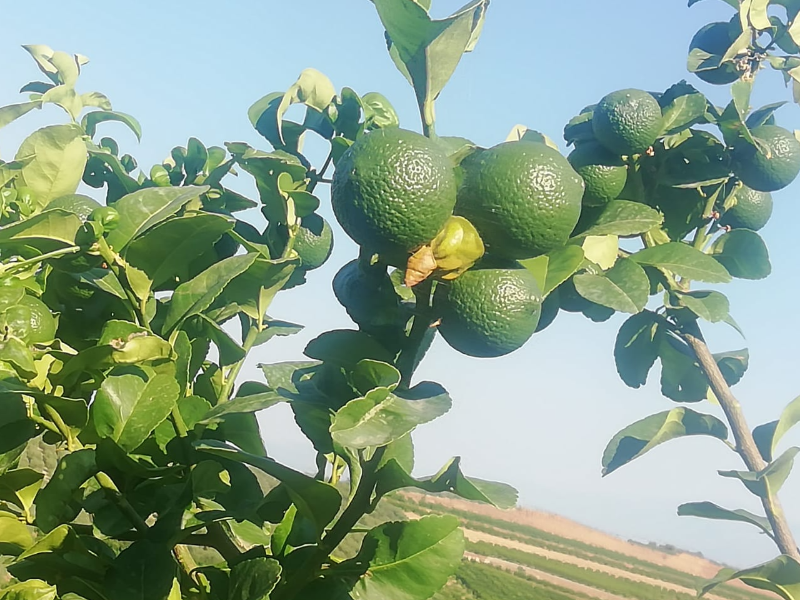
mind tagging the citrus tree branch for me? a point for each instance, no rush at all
(745, 444)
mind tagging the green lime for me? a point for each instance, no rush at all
(524, 198)
(627, 122)
(313, 242)
(751, 211)
(367, 294)
(490, 310)
(393, 190)
(77, 204)
(716, 38)
(30, 321)
(603, 173)
(772, 167)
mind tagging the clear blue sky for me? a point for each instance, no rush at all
(540, 418)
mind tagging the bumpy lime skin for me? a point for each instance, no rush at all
(716, 38)
(627, 122)
(752, 210)
(603, 173)
(524, 198)
(393, 191)
(313, 242)
(489, 312)
(772, 171)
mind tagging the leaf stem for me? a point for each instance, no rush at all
(110, 257)
(14, 266)
(122, 503)
(233, 372)
(745, 444)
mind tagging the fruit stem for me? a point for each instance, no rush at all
(745, 444)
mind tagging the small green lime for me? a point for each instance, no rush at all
(716, 38)
(313, 242)
(603, 172)
(752, 210)
(627, 121)
(30, 321)
(771, 167)
(490, 310)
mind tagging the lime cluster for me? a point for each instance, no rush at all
(396, 193)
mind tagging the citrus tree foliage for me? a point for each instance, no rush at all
(131, 462)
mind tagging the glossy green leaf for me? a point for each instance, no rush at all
(624, 218)
(644, 435)
(251, 397)
(15, 537)
(380, 417)
(733, 365)
(12, 112)
(92, 119)
(254, 579)
(711, 306)
(165, 251)
(625, 287)
(47, 231)
(56, 502)
(636, 347)
(346, 348)
(143, 209)
(128, 408)
(144, 570)
(781, 576)
(406, 560)
(554, 268)
(196, 295)
(57, 167)
(709, 510)
(251, 291)
(682, 378)
(682, 107)
(370, 374)
(685, 261)
(743, 253)
(228, 350)
(393, 476)
(19, 486)
(770, 479)
(769, 434)
(316, 500)
(32, 589)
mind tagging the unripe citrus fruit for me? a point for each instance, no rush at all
(627, 121)
(771, 168)
(603, 172)
(752, 210)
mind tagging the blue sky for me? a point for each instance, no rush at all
(540, 418)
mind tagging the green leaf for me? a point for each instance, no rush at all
(711, 306)
(768, 480)
(228, 350)
(380, 417)
(312, 88)
(165, 251)
(625, 287)
(59, 156)
(406, 560)
(781, 576)
(91, 120)
(682, 106)
(254, 579)
(393, 476)
(733, 364)
(644, 435)
(251, 397)
(624, 218)
(743, 253)
(768, 435)
(144, 570)
(128, 408)
(346, 348)
(143, 209)
(12, 112)
(554, 268)
(47, 231)
(32, 589)
(682, 378)
(196, 295)
(709, 510)
(14, 535)
(602, 250)
(19, 486)
(636, 348)
(684, 261)
(426, 51)
(370, 374)
(316, 500)
(56, 502)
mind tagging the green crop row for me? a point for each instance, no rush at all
(491, 583)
